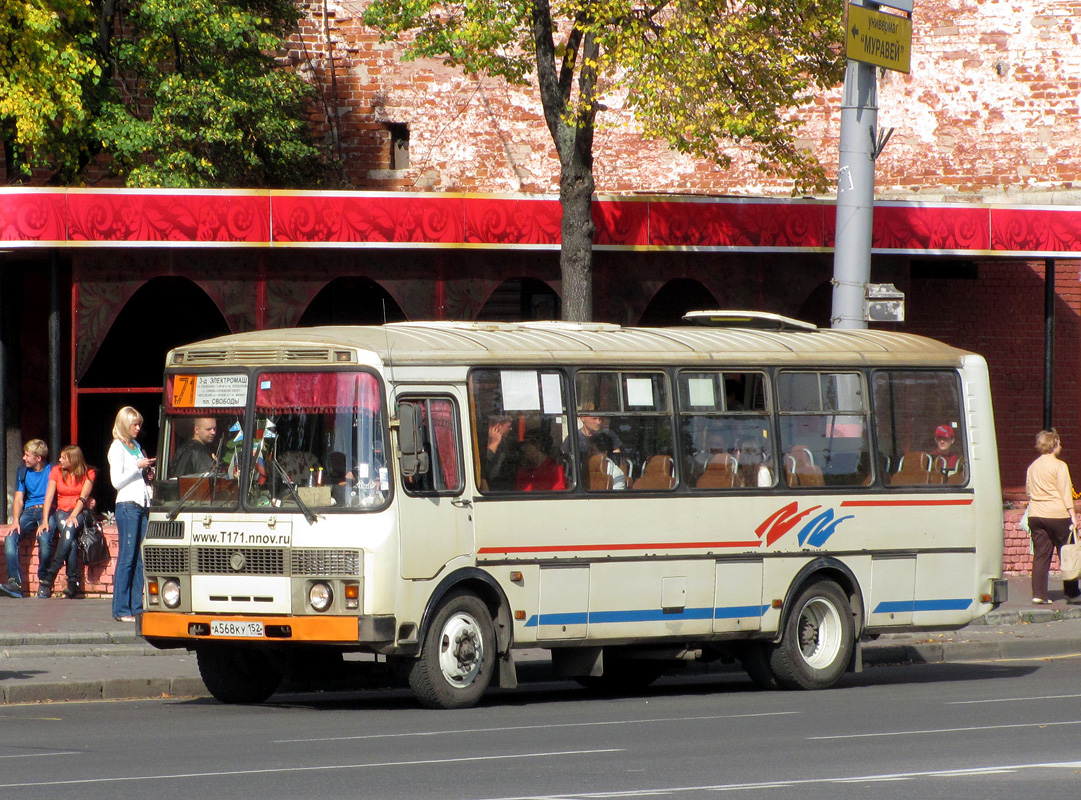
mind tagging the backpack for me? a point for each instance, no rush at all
(93, 549)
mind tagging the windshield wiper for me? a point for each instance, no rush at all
(307, 512)
(180, 503)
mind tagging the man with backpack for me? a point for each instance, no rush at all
(31, 481)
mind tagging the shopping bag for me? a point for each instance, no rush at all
(1070, 559)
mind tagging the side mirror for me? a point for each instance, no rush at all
(413, 459)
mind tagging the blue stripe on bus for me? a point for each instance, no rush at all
(643, 615)
(735, 612)
(900, 606)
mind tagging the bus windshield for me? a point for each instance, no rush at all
(315, 441)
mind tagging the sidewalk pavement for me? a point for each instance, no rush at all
(56, 649)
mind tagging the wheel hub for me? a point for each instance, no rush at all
(461, 650)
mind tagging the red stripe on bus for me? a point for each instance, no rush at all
(967, 502)
(583, 547)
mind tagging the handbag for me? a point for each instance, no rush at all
(1070, 558)
(1023, 524)
(93, 549)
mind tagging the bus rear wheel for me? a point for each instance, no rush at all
(456, 659)
(817, 641)
(237, 674)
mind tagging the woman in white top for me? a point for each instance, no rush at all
(126, 464)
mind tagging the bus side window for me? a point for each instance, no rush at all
(918, 419)
(824, 434)
(518, 420)
(624, 424)
(728, 440)
(440, 441)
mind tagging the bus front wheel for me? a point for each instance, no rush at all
(817, 641)
(237, 674)
(456, 659)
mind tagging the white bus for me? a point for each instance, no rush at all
(426, 498)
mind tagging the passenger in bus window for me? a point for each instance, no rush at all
(499, 455)
(753, 471)
(733, 390)
(195, 456)
(602, 444)
(589, 424)
(538, 471)
(946, 456)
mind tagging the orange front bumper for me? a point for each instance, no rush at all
(171, 625)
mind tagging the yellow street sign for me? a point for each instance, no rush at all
(884, 40)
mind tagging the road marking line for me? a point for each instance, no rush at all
(780, 784)
(39, 755)
(277, 770)
(1012, 699)
(458, 731)
(945, 730)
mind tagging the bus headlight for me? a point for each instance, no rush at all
(170, 593)
(320, 596)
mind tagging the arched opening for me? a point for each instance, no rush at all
(351, 301)
(675, 299)
(164, 313)
(818, 306)
(521, 300)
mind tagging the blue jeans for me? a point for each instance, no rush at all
(131, 520)
(29, 521)
(67, 547)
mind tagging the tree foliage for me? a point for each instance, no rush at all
(703, 74)
(182, 93)
(45, 69)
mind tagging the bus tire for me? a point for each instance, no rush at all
(236, 674)
(455, 663)
(817, 641)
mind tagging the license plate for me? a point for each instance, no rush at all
(247, 630)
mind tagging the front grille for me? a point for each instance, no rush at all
(165, 560)
(239, 561)
(325, 562)
(165, 530)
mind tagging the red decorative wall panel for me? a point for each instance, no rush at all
(165, 217)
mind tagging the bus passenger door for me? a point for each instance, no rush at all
(435, 509)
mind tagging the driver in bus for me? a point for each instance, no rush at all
(195, 456)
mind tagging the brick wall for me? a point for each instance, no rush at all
(1001, 316)
(990, 110)
(97, 581)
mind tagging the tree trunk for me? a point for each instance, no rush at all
(576, 253)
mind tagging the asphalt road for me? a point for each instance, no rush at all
(984, 730)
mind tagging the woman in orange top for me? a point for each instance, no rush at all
(70, 484)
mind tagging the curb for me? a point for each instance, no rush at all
(118, 689)
(955, 652)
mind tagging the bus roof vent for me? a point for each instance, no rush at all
(203, 357)
(308, 355)
(758, 320)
